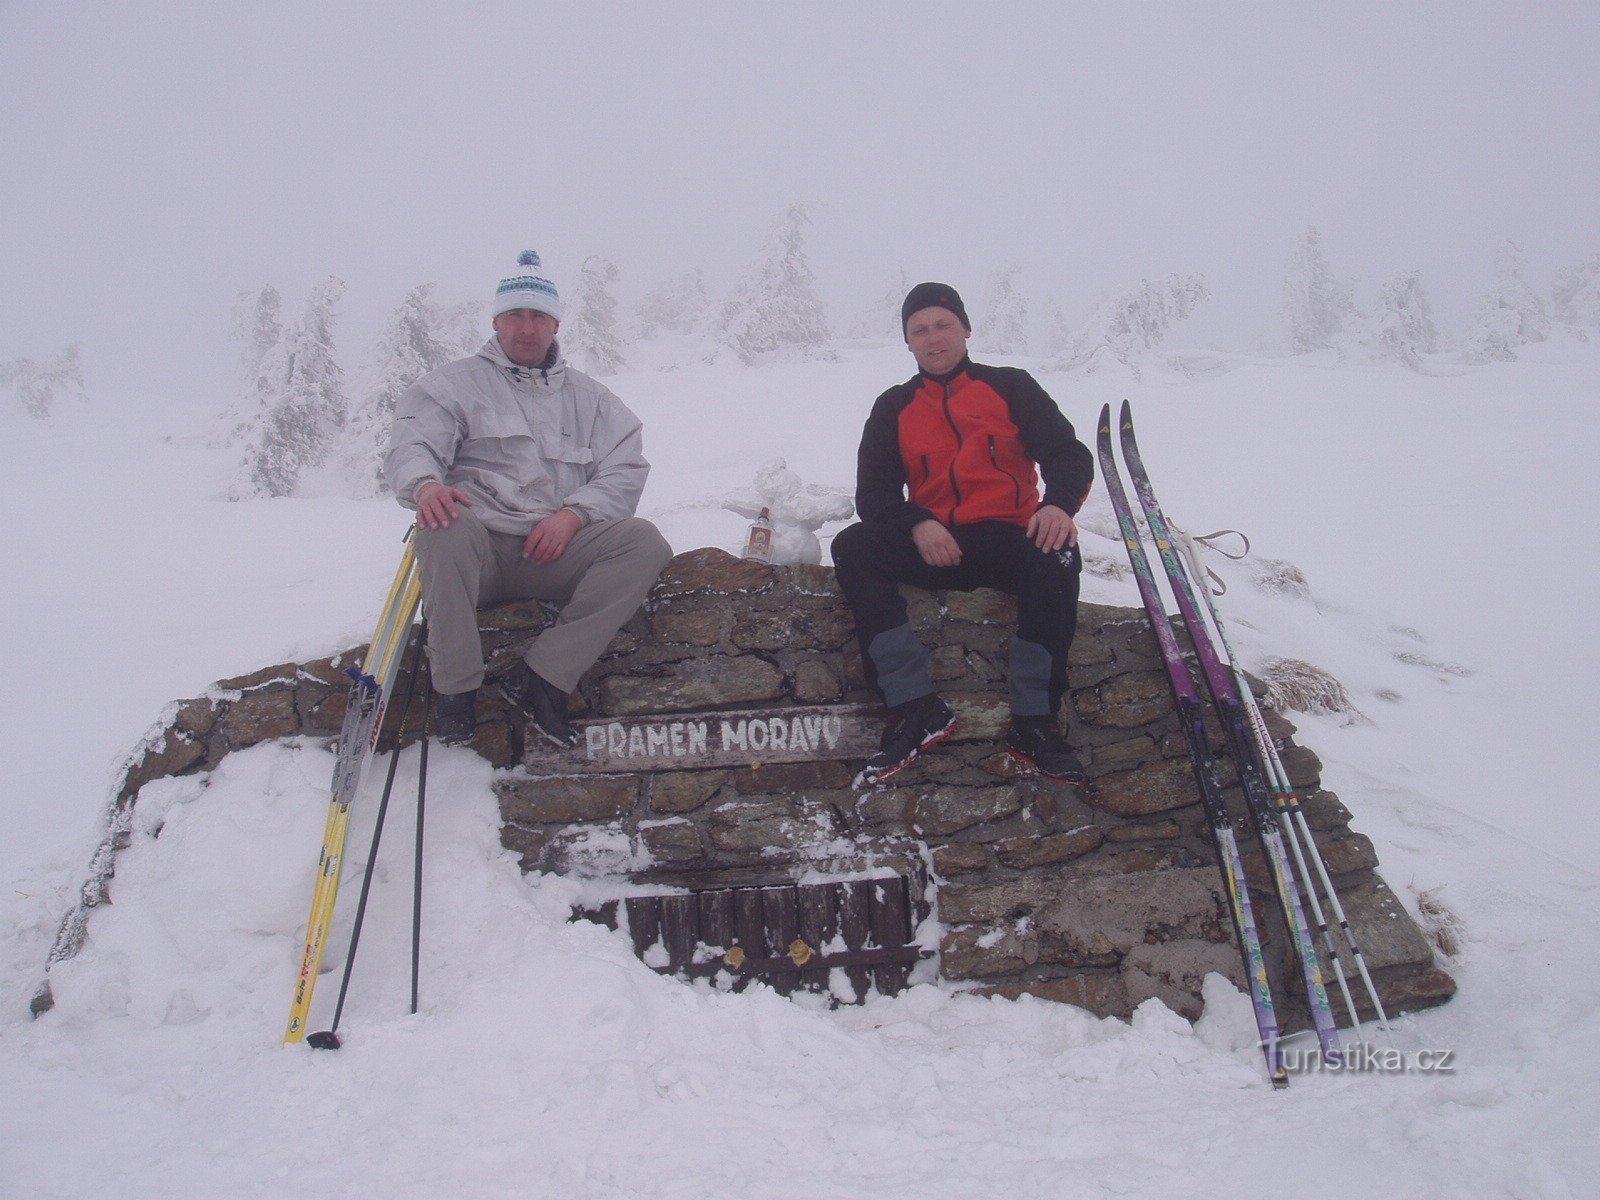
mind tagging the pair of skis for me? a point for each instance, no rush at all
(1275, 810)
(370, 688)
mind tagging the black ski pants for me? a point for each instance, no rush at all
(873, 559)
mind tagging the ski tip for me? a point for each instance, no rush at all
(326, 1040)
(1105, 417)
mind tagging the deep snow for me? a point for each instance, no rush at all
(1448, 517)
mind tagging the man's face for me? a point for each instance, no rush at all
(937, 338)
(525, 335)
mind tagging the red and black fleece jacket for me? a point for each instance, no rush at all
(969, 446)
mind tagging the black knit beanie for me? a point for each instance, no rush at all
(933, 295)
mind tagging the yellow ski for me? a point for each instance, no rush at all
(370, 688)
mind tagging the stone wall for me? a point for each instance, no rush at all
(1101, 896)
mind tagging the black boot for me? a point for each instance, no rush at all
(543, 702)
(455, 718)
(1037, 740)
(912, 728)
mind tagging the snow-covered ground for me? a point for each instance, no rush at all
(1447, 518)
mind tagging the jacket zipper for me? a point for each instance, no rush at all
(1016, 484)
(956, 429)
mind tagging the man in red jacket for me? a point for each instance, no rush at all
(947, 488)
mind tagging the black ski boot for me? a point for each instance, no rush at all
(1036, 740)
(455, 718)
(543, 702)
(912, 728)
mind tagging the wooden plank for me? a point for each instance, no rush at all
(716, 919)
(855, 923)
(891, 926)
(644, 922)
(679, 929)
(783, 927)
(818, 923)
(749, 927)
(695, 741)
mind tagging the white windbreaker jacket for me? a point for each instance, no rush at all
(523, 443)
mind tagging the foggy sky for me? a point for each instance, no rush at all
(158, 158)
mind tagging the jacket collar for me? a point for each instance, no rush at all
(950, 376)
(553, 367)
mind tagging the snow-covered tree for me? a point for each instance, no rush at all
(415, 340)
(1511, 315)
(294, 428)
(1318, 306)
(37, 384)
(1495, 334)
(774, 313)
(1577, 297)
(1126, 327)
(881, 318)
(1403, 329)
(258, 334)
(1004, 328)
(257, 326)
(1512, 290)
(675, 306)
(462, 328)
(589, 334)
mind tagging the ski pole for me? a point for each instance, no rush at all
(1230, 863)
(422, 797)
(1292, 815)
(328, 1039)
(1252, 775)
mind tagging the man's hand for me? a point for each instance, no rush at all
(436, 505)
(1052, 528)
(936, 544)
(551, 536)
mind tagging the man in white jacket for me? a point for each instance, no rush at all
(525, 475)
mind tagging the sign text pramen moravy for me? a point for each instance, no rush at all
(687, 741)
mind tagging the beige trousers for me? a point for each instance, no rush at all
(600, 581)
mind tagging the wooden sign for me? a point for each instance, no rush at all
(695, 741)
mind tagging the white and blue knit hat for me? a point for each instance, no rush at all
(527, 287)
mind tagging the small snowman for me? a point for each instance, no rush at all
(797, 511)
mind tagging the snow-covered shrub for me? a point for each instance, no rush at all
(1403, 329)
(1004, 326)
(1511, 315)
(880, 320)
(1279, 577)
(774, 314)
(37, 385)
(1298, 686)
(1126, 327)
(1494, 336)
(1576, 294)
(1444, 929)
(678, 305)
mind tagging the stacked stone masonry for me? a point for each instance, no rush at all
(1101, 897)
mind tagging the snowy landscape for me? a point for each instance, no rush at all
(1402, 422)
